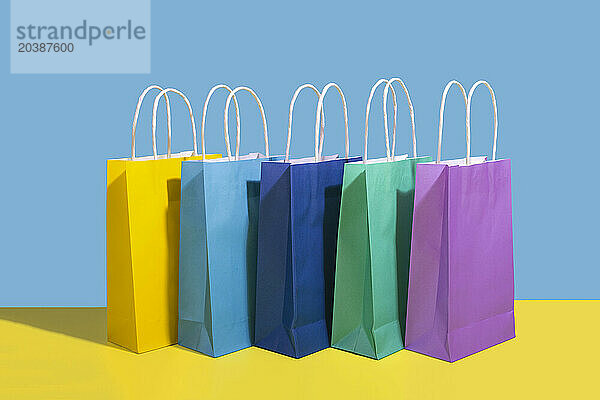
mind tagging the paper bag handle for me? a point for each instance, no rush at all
(225, 123)
(289, 136)
(137, 113)
(189, 106)
(410, 109)
(387, 144)
(318, 120)
(441, 124)
(237, 117)
(469, 118)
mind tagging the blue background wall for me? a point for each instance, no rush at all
(59, 130)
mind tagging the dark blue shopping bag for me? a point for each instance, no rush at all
(297, 235)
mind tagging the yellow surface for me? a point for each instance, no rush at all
(62, 353)
(142, 250)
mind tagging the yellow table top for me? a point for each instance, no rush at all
(48, 353)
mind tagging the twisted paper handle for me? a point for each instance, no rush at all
(289, 137)
(137, 113)
(469, 118)
(410, 109)
(189, 106)
(387, 143)
(318, 150)
(442, 106)
(225, 122)
(237, 118)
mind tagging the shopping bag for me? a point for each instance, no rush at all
(218, 245)
(142, 241)
(461, 285)
(297, 235)
(373, 249)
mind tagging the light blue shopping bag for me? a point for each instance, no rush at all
(218, 246)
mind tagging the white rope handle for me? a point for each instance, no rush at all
(469, 119)
(387, 143)
(410, 109)
(137, 113)
(442, 106)
(318, 120)
(237, 118)
(189, 106)
(226, 125)
(289, 137)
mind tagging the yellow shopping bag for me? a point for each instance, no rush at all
(142, 241)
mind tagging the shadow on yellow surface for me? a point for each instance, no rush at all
(82, 323)
(62, 353)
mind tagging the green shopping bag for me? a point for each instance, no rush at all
(373, 249)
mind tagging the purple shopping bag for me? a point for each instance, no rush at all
(461, 282)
